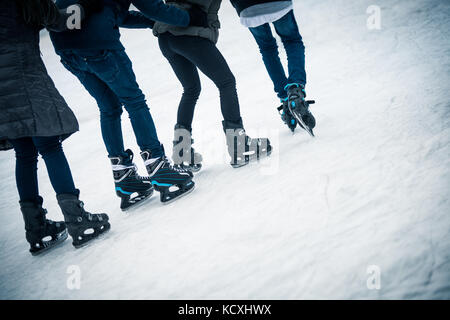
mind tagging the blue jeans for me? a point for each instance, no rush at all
(108, 76)
(58, 169)
(287, 29)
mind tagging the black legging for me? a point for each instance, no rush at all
(185, 54)
(58, 169)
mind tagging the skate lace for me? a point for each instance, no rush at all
(168, 164)
(136, 174)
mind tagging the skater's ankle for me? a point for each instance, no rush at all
(31, 201)
(124, 159)
(232, 124)
(294, 85)
(69, 195)
(157, 152)
(291, 85)
(183, 126)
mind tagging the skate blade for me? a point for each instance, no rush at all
(253, 160)
(63, 237)
(180, 196)
(138, 204)
(193, 168)
(303, 125)
(237, 166)
(310, 132)
(92, 240)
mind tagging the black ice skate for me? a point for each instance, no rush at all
(41, 233)
(243, 149)
(287, 117)
(83, 226)
(184, 155)
(299, 107)
(131, 188)
(169, 181)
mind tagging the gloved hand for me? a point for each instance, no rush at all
(91, 6)
(199, 18)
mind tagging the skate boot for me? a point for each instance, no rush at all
(83, 226)
(184, 156)
(299, 107)
(286, 116)
(131, 188)
(41, 233)
(241, 148)
(166, 177)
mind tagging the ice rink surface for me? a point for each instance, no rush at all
(371, 192)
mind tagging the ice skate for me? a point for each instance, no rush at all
(243, 149)
(83, 226)
(42, 234)
(131, 188)
(184, 155)
(172, 183)
(286, 116)
(299, 107)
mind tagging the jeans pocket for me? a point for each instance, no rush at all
(104, 65)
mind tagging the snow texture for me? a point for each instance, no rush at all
(371, 190)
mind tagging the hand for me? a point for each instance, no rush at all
(91, 6)
(199, 18)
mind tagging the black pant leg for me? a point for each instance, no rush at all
(187, 74)
(26, 169)
(57, 166)
(206, 56)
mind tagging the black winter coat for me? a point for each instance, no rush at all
(30, 105)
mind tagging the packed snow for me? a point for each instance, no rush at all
(359, 212)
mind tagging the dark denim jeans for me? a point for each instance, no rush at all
(287, 29)
(58, 169)
(108, 76)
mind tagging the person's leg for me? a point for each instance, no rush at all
(41, 233)
(269, 50)
(205, 55)
(115, 69)
(287, 29)
(108, 103)
(57, 166)
(77, 220)
(26, 169)
(187, 74)
(110, 114)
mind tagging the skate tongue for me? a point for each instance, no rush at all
(151, 161)
(154, 164)
(118, 167)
